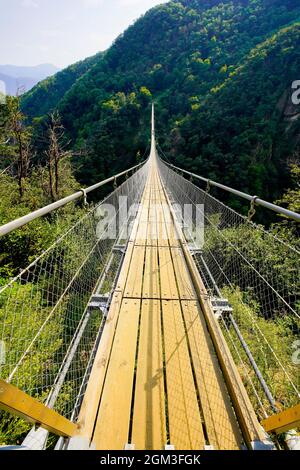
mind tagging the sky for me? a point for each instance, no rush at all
(62, 32)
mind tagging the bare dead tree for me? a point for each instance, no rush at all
(55, 153)
(21, 136)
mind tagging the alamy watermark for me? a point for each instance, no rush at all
(296, 354)
(2, 353)
(296, 92)
(117, 221)
(2, 92)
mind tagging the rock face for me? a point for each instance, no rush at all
(291, 114)
(291, 109)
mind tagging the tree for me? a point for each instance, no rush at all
(288, 229)
(18, 139)
(55, 153)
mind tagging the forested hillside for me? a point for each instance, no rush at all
(220, 74)
(255, 126)
(218, 71)
(46, 95)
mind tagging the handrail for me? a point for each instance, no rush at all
(15, 224)
(253, 199)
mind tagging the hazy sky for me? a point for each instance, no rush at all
(63, 31)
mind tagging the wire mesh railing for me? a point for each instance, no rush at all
(252, 279)
(48, 329)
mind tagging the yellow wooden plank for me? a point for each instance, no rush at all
(172, 235)
(220, 421)
(162, 231)
(112, 426)
(185, 424)
(184, 282)
(145, 210)
(125, 268)
(152, 229)
(137, 221)
(24, 406)
(141, 235)
(89, 407)
(162, 234)
(167, 276)
(135, 275)
(151, 288)
(284, 421)
(165, 209)
(149, 422)
(152, 212)
(152, 195)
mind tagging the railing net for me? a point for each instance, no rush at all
(47, 332)
(259, 276)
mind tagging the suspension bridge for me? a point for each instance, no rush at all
(165, 335)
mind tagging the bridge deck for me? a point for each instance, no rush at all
(156, 378)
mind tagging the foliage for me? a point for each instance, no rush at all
(44, 97)
(21, 246)
(18, 302)
(288, 229)
(258, 272)
(245, 134)
(218, 71)
(278, 333)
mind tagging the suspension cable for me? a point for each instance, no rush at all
(214, 226)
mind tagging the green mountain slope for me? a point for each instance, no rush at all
(46, 95)
(194, 57)
(247, 128)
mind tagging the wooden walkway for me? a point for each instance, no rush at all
(156, 378)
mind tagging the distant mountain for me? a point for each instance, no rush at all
(13, 84)
(24, 78)
(37, 71)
